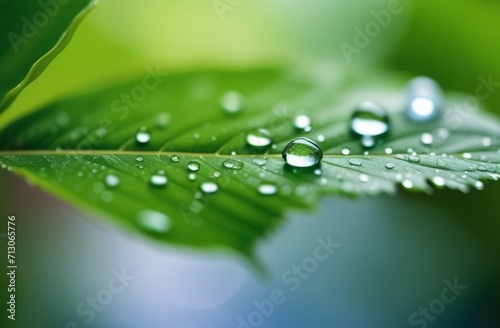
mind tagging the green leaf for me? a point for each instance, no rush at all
(35, 33)
(85, 151)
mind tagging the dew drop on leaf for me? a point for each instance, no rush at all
(232, 164)
(158, 179)
(260, 161)
(162, 120)
(142, 136)
(193, 166)
(355, 162)
(217, 174)
(438, 181)
(364, 178)
(153, 221)
(467, 155)
(302, 122)
(321, 138)
(174, 158)
(486, 142)
(414, 159)
(426, 139)
(424, 99)
(389, 166)
(302, 152)
(267, 189)
(192, 176)
(370, 123)
(232, 102)
(407, 184)
(209, 187)
(139, 158)
(346, 151)
(388, 151)
(260, 138)
(441, 163)
(111, 181)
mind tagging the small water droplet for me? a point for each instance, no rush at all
(408, 184)
(232, 164)
(139, 158)
(267, 189)
(196, 136)
(389, 166)
(486, 142)
(438, 181)
(302, 122)
(209, 187)
(260, 161)
(424, 99)
(174, 158)
(467, 155)
(260, 138)
(140, 167)
(321, 138)
(217, 174)
(441, 163)
(426, 139)
(111, 181)
(302, 152)
(159, 179)
(153, 221)
(388, 151)
(79, 174)
(323, 181)
(193, 166)
(364, 178)
(232, 102)
(192, 176)
(162, 120)
(143, 136)
(318, 172)
(479, 185)
(346, 151)
(414, 159)
(370, 123)
(355, 162)
(443, 133)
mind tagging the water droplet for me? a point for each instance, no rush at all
(389, 166)
(302, 122)
(192, 176)
(424, 99)
(318, 172)
(441, 163)
(162, 120)
(217, 174)
(193, 166)
(426, 139)
(232, 102)
(323, 181)
(414, 159)
(443, 133)
(364, 178)
(79, 174)
(260, 161)
(232, 164)
(479, 185)
(174, 158)
(153, 221)
(143, 136)
(486, 142)
(388, 151)
(159, 179)
(346, 151)
(467, 155)
(321, 138)
(196, 136)
(209, 187)
(267, 189)
(260, 138)
(408, 184)
(438, 181)
(355, 162)
(302, 152)
(482, 168)
(139, 158)
(140, 167)
(111, 181)
(370, 123)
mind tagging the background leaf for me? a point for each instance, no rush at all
(93, 142)
(35, 32)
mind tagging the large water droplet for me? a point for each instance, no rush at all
(260, 138)
(267, 189)
(143, 136)
(426, 139)
(232, 102)
(111, 181)
(232, 164)
(302, 122)
(159, 179)
(370, 123)
(153, 221)
(193, 166)
(424, 99)
(302, 152)
(209, 187)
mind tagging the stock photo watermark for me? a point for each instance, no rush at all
(11, 267)
(292, 279)
(89, 309)
(32, 25)
(222, 7)
(363, 36)
(437, 306)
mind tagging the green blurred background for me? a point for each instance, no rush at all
(395, 251)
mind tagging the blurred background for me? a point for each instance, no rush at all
(395, 253)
